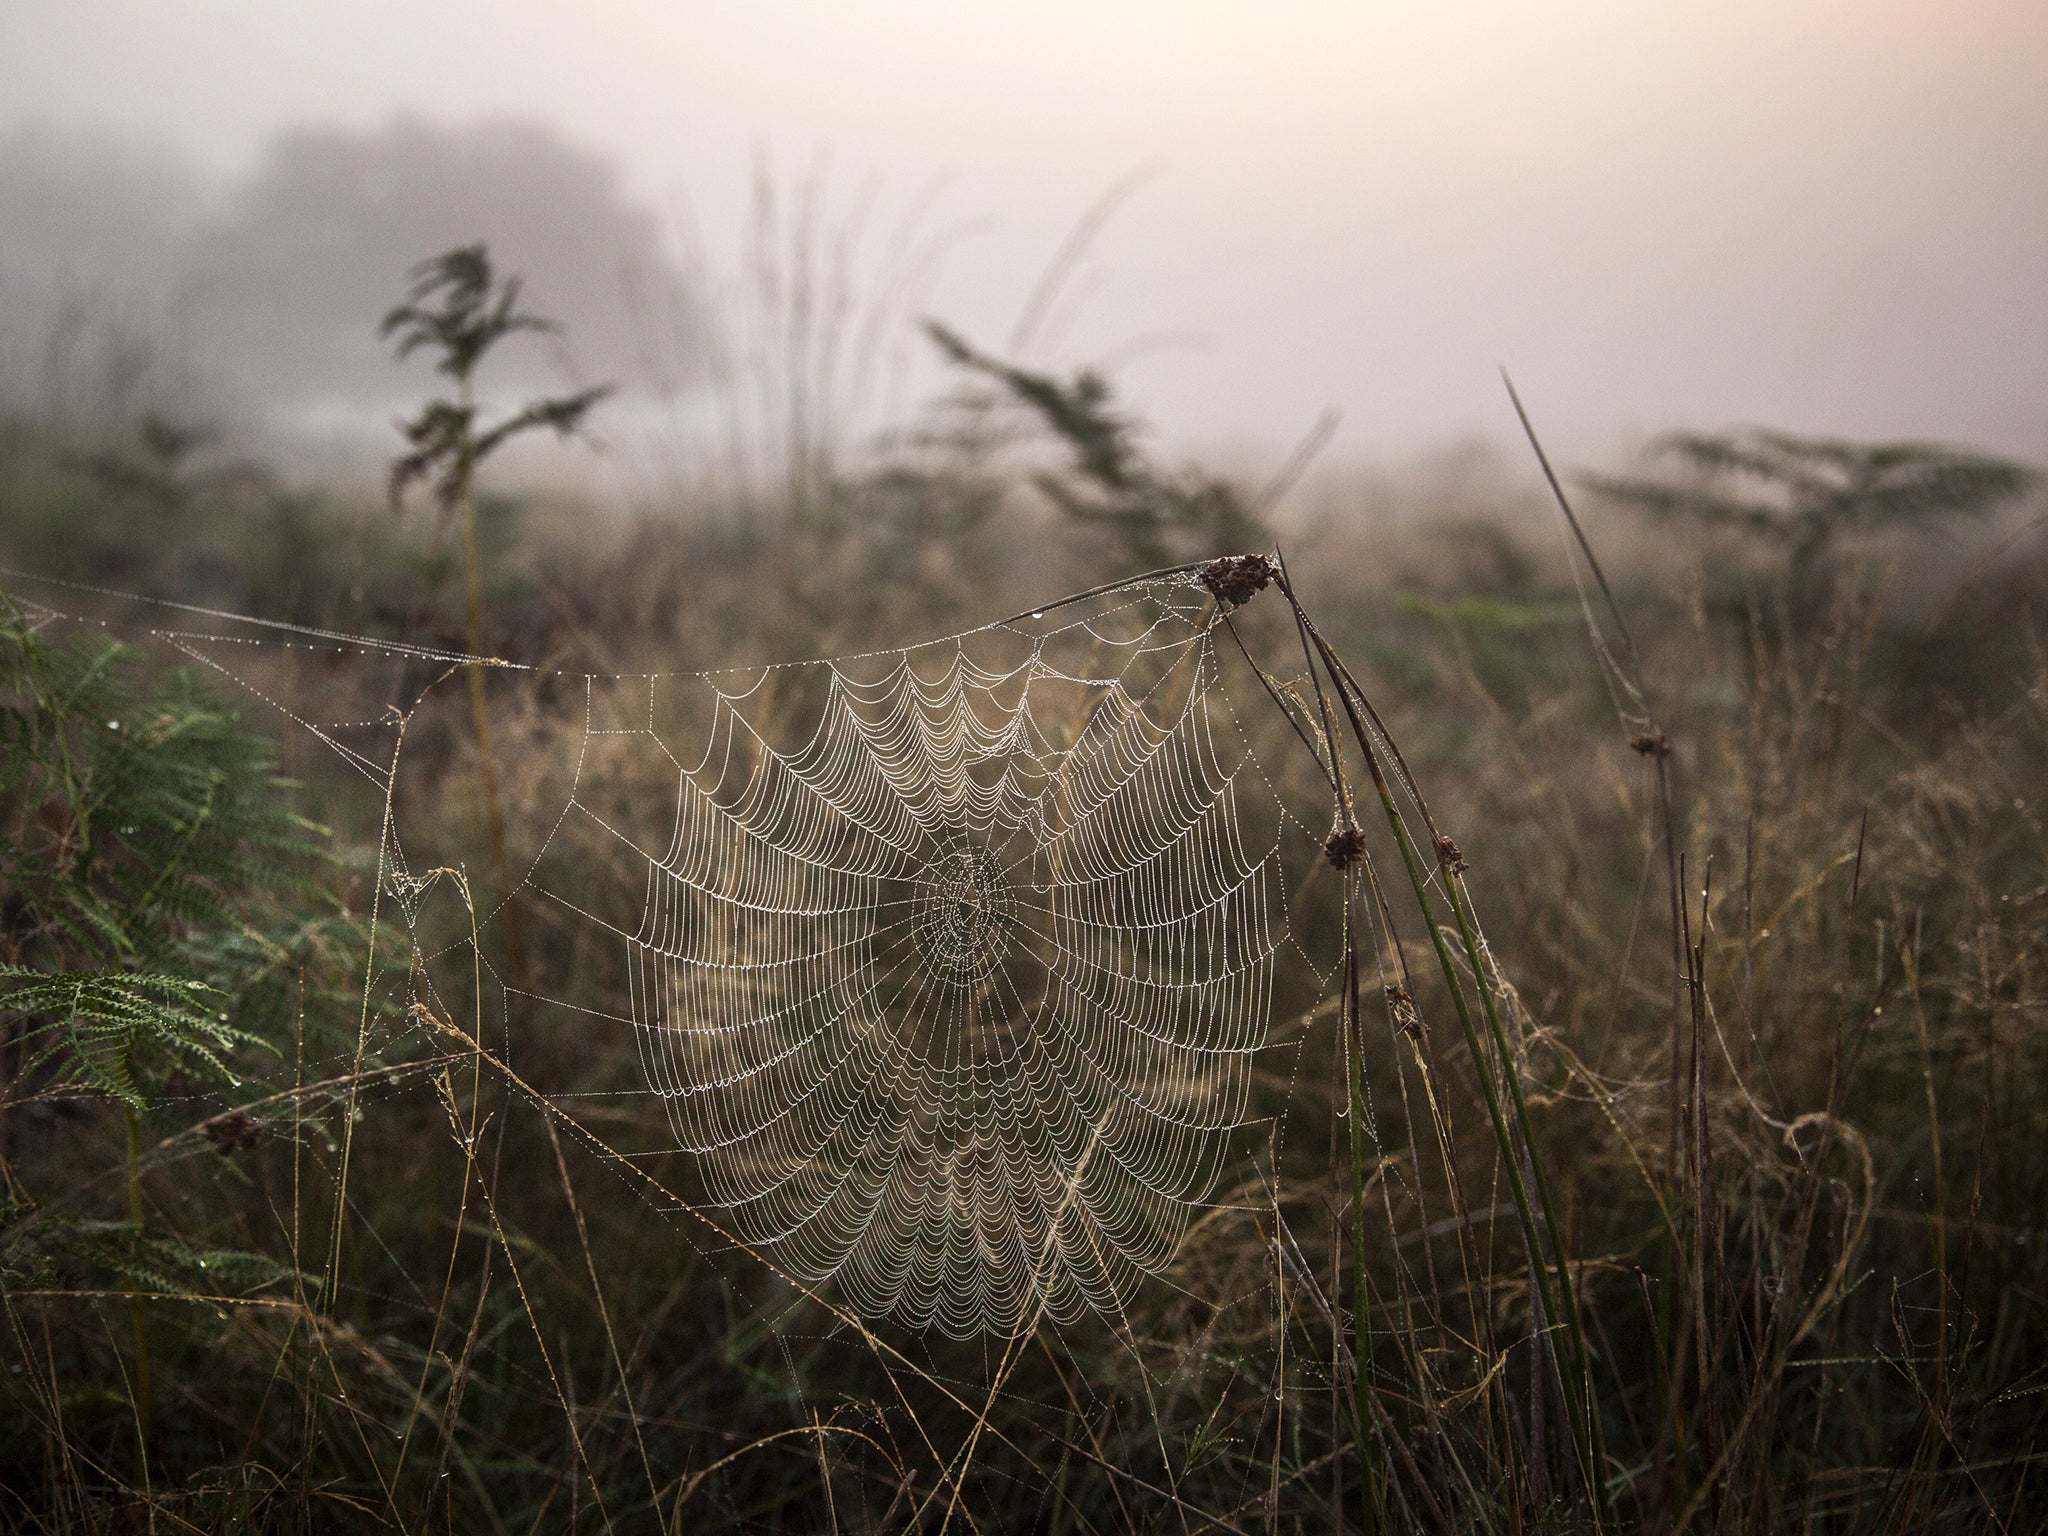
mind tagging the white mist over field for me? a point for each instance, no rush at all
(1817, 214)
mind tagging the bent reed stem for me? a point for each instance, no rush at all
(1574, 1383)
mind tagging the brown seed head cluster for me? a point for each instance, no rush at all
(1407, 1017)
(1236, 579)
(1447, 854)
(1651, 744)
(235, 1131)
(1345, 847)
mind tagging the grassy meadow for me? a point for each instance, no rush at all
(1704, 1188)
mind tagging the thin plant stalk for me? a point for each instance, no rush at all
(460, 308)
(1361, 1289)
(1353, 1062)
(138, 1309)
(1574, 1383)
(1460, 900)
(480, 716)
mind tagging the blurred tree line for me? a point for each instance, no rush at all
(128, 280)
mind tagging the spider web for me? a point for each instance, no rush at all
(956, 1006)
(952, 965)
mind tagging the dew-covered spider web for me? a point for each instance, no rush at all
(956, 996)
(952, 967)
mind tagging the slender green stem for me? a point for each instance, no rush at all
(479, 713)
(1361, 1289)
(1574, 1383)
(1351, 1070)
(1568, 1291)
(138, 1309)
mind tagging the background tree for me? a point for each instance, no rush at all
(305, 247)
(459, 308)
(1801, 496)
(1110, 482)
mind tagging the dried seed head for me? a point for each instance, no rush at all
(1235, 579)
(1407, 1017)
(1448, 856)
(235, 1131)
(1345, 847)
(1651, 744)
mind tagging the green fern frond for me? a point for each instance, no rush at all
(88, 1028)
(69, 1254)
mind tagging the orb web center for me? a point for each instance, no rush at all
(962, 912)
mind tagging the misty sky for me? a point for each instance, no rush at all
(1825, 215)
